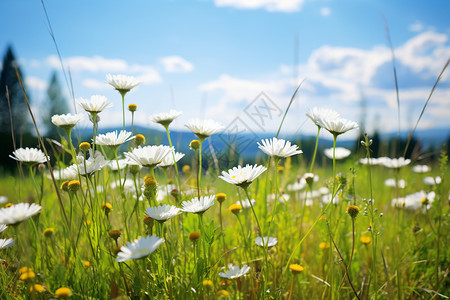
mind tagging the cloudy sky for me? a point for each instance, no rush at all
(239, 61)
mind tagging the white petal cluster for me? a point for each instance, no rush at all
(113, 139)
(148, 156)
(278, 148)
(246, 203)
(169, 161)
(317, 114)
(67, 120)
(337, 126)
(18, 212)
(262, 242)
(198, 206)
(122, 83)
(96, 104)
(421, 169)
(395, 163)
(432, 180)
(340, 153)
(68, 173)
(139, 248)
(5, 243)
(242, 176)
(401, 183)
(234, 271)
(163, 212)
(415, 201)
(203, 128)
(29, 155)
(94, 163)
(165, 118)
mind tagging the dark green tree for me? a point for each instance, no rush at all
(21, 125)
(57, 104)
(19, 111)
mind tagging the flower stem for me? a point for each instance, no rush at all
(315, 150)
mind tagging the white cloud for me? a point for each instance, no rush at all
(338, 78)
(416, 27)
(94, 84)
(97, 64)
(269, 5)
(36, 83)
(325, 11)
(176, 64)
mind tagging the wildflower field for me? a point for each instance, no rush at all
(117, 217)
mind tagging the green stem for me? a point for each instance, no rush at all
(123, 109)
(174, 160)
(315, 150)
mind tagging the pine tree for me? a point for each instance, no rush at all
(57, 104)
(9, 79)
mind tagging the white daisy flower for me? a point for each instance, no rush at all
(94, 163)
(2, 227)
(3, 199)
(165, 118)
(242, 176)
(168, 159)
(139, 248)
(203, 128)
(421, 169)
(432, 180)
(327, 198)
(122, 83)
(5, 243)
(392, 183)
(283, 198)
(96, 104)
(234, 271)
(113, 139)
(337, 126)
(163, 212)
(123, 163)
(148, 156)
(316, 114)
(198, 206)
(128, 185)
(395, 163)
(29, 156)
(415, 201)
(297, 186)
(66, 121)
(64, 174)
(324, 190)
(278, 148)
(246, 203)
(340, 153)
(18, 212)
(372, 161)
(262, 242)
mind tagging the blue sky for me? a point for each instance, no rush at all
(212, 58)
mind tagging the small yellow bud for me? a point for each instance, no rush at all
(48, 232)
(195, 144)
(132, 107)
(220, 197)
(36, 288)
(186, 169)
(139, 140)
(63, 293)
(324, 245)
(86, 263)
(353, 211)
(296, 269)
(193, 236)
(74, 185)
(235, 208)
(65, 186)
(365, 239)
(29, 274)
(85, 146)
(107, 208)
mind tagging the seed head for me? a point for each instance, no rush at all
(132, 107)
(193, 236)
(220, 197)
(195, 144)
(295, 269)
(353, 211)
(85, 146)
(74, 185)
(235, 208)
